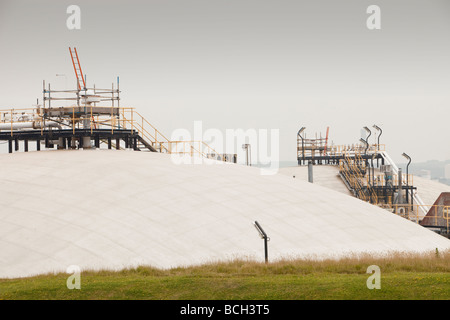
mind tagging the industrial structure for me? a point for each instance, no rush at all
(105, 208)
(89, 124)
(371, 175)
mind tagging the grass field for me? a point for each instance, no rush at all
(402, 277)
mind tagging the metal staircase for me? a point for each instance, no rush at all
(352, 170)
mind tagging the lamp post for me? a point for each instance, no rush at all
(247, 147)
(367, 138)
(378, 143)
(367, 147)
(299, 134)
(381, 132)
(407, 177)
(373, 173)
(365, 142)
(366, 160)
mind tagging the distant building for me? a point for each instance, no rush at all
(447, 171)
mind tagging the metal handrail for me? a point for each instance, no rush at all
(411, 212)
(124, 118)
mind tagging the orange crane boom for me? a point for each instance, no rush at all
(77, 68)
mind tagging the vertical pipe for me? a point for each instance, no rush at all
(11, 122)
(400, 193)
(10, 148)
(118, 143)
(407, 187)
(43, 93)
(38, 144)
(87, 142)
(118, 100)
(113, 123)
(118, 92)
(246, 155)
(373, 177)
(407, 182)
(49, 97)
(78, 93)
(310, 171)
(303, 151)
(132, 123)
(266, 250)
(25, 142)
(109, 143)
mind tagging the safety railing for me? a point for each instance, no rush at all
(380, 180)
(94, 117)
(354, 170)
(437, 216)
(134, 120)
(340, 150)
(348, 171)
(313, 148)
(15, 119)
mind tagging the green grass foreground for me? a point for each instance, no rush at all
(402, 277)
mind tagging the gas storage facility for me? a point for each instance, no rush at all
(94, 185)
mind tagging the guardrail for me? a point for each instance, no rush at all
(104, 117)
(437, 216)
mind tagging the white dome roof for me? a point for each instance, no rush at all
(112, 209)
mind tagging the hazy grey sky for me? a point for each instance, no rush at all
(248, 64)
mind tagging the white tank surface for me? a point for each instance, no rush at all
(429, 190)
(324, 175)
(111, 209)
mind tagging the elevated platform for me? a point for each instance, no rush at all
(90, 126)
(77, 138)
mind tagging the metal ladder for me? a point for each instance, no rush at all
(77, 68)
